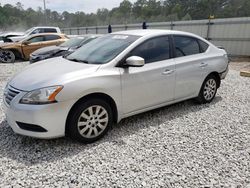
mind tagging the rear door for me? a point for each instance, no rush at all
(51, 40)
(152, 84)
(190, 66)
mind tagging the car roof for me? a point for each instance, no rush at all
(84, 36)
(44, 34)
(146, 32)
(45, 27)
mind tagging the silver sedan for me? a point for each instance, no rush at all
(111, 78)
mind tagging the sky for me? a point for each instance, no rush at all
(86, 6)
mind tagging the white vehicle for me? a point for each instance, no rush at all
(4, 37)
(35, 30)
(111, 78)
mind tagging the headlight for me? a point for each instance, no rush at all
(41, 96)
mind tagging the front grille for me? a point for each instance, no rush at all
(10, 94)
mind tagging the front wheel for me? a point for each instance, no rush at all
(208, 90)
(7, 56)
(90, 120)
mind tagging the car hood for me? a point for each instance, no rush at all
(49, 50)
(51, 72)
(18, 38)
(12, 33)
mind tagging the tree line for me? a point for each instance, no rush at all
(15, 17)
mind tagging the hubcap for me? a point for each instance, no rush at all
(93, 121)
(209, 89)
(6, 56)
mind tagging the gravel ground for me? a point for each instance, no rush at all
(182, 145)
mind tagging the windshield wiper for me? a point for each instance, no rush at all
(78, 60)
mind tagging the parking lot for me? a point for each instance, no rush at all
(182, 145)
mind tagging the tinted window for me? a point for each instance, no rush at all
(186, 46)
(51, 37)
(36, 39)
(156, 49)
(204, 46)
(49, 30)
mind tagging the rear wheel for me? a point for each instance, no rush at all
(208, 89)
(89, 120)
(7, 56)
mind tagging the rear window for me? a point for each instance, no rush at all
(204, 46)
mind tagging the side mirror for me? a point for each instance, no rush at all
(135, 61)
(26, 42)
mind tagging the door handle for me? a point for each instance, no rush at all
(168, 72)
(203, 65)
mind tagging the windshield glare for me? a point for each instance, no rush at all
(74, 42)
(103, 49)
(28, 31)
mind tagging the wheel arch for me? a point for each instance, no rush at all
(16, 52)
(97, 95)
(217, 75)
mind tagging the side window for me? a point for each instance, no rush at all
(156, 49)
(204, 46)
(51, 37)
(186, 46)
(36, 39)
(50, 30)
(40, 30)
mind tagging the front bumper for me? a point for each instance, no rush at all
(51, 117)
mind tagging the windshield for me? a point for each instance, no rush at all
(74, 42)
(28, 31)
(103, 49)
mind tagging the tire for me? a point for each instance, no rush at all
(208, 90)
(89, 120)
(7, 56)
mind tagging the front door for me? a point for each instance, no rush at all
(152, 84)
(34, 44)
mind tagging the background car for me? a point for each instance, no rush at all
(11, 51)
(67, 47)
(4, 37)
(110, 78)
(32, 31)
